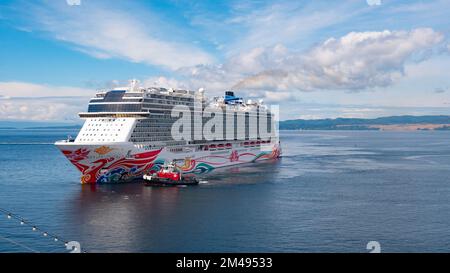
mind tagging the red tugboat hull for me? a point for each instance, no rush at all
(167, 182)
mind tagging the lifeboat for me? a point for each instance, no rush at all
(220, 146)
(228, 145)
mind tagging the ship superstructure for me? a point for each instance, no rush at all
(132, 131)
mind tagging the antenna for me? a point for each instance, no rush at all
(134, 84)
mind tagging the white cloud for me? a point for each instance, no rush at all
(219, 77)
(373, 2)
(24, 89)
(356, 61)
(73, 2)
(42, 109)
(278, 96)
(99, 29)
(164, 82)
(41, 102)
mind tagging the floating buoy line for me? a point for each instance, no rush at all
(56, 239)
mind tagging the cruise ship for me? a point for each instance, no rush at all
(132, 131)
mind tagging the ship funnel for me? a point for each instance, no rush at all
(229, 93)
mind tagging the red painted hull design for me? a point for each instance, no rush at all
(110, 169)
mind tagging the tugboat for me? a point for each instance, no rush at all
(169, 175)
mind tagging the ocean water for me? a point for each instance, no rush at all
(333, 191)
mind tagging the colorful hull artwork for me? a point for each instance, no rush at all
(107, 163)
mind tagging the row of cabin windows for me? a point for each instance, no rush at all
(156, 96)
(104, 130)
(154, 103)
(167, 135)
(97, 100)
(107, 119)
(152, 129)
(135, 138)
(154, 123)
(94, 135)
(159, 146)
(106, 124)
(150, 139)
(99, 140)
(114, 108)
(211, 147)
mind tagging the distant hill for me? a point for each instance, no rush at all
(382, 123)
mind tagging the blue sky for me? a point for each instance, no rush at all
(316, 59)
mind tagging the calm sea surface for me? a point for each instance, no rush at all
(331, 192)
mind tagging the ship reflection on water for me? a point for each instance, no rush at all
(132, 217)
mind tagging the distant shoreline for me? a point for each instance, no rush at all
(393, 123)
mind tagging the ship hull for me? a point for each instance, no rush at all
(120, 162)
